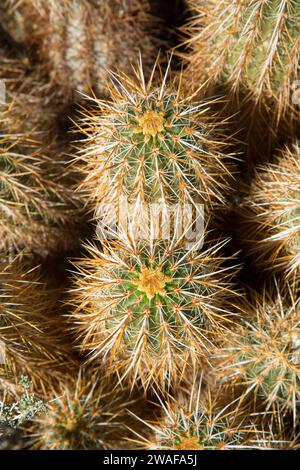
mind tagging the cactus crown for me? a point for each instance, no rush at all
(83, 415)
(194, 424)
(149, 143)
(197, 432)
(149, 306)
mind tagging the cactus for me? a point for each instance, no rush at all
(39, 210)
(251, 46)
(269, 217)
(149, 143)
(77, 41)
(32, 102)
(263, 355)
(83, 414)
(35, 207)
(151, 308)
(198, 424)
(30, 332)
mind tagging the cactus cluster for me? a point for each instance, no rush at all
(149, 225)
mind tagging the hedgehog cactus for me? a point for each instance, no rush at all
(30, 333)
(196, 425)
(270, 216)
(33, 205)
(83, 414)
(264, 356)
(78, 41)
(37, 204)
(149, 143)
(151, 308)
(252, 46)
(32, 102)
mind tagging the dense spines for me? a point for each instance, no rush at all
(269, 217)
(78, 41)
(83, 414)
(262, 355)
(251, 46)
(150, 143)
(31, 101)
(29, 325)
(138, 315)
(39, 210)
(151, 308)
(35, 207)
(195, 423)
